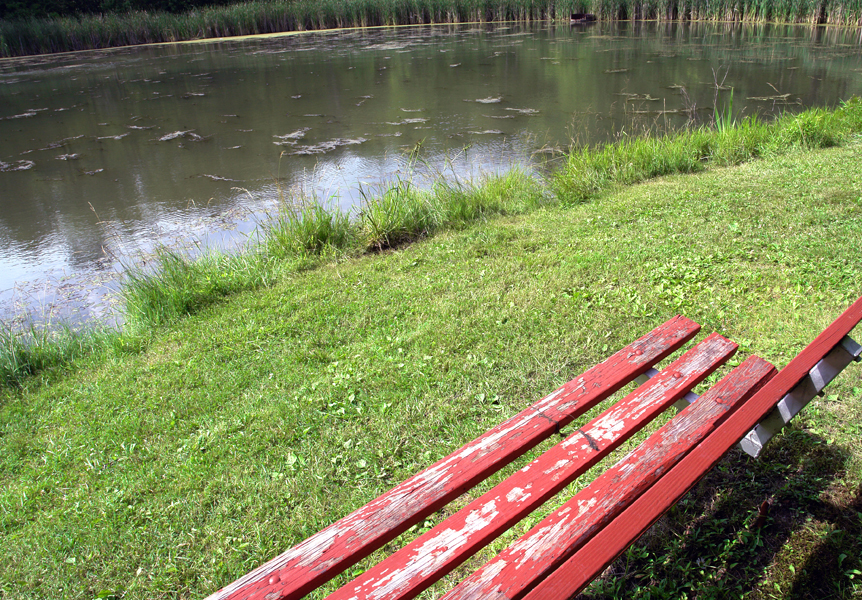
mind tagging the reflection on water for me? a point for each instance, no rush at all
(106, 153)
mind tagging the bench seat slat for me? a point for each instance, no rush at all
(418, 565)
(588, 562)
(517, 569)
(329, 552)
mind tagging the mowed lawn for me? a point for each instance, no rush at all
(236, 432)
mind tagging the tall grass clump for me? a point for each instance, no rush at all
(35, 348)
(461, 204)
(174, 285)
(401, 213)
(309, 229)
(589, 171)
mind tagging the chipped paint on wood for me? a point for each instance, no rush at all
(576, 572)
(328, 553)
(435, 553)
(531, 558)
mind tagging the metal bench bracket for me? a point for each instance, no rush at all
(819, 377)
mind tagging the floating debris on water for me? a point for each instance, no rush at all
(487, 132)
(548, 150)
(188, 95)
(524, 111)
(657, 112)
(112, 137)
(68, 157)
(139, 127)
(173, 136)
(611, 71)
(190, 135)
(93, 172)
(499, 116)
(296, 135)
(59, 143)
(407, 121)
(488, 100)
(216, 177)
(455, 65)
(396, 134)
(26, 115)
(637, 97)
(328, 146)
(297, 97)
(387, 46)
(412, 109)
(780, 97)
(21, 165)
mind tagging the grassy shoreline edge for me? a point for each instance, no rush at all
(255, 420)
(88, 32)
(306, 234)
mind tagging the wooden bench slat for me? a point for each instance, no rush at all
(329, 552)
(414, 568)
(516, 570)
(588, 562)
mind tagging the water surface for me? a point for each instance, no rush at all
(106, 153)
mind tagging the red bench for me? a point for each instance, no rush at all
(573, 544)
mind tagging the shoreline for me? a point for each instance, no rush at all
(34, 37)
(228, 435)
(310, 236)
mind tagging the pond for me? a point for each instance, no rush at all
(107, 153)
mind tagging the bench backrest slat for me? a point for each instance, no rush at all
(577, 572)
(414, 568)
(329, 552)
(516, 570)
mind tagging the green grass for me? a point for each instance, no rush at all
(306, 233)
(588, 171)
(25, 353)
(177, 285)
(241, 429)
(69, 33)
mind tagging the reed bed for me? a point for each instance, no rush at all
(85, 32)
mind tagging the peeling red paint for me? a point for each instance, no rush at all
(418, 565)
(599, 551)
(326, 554)
(531, 558)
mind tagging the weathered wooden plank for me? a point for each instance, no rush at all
(577, 572)
(418, 565)
(530, 559)
(329, 552)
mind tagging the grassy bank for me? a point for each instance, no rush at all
(41, 36)
(307, 234)
(249, 425)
